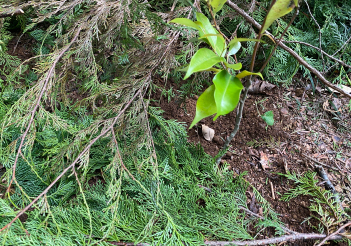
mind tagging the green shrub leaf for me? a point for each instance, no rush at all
(227, 93)
(217, 43)
(217, 5)
(247, 73)
(205, 106)
(202, 60)
(236, 66)
(244, 40)
(279, 9)
(268, 118)
(186, 22)
(234, 47)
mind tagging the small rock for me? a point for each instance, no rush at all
(207, 132)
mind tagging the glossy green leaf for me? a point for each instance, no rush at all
(236, 66)
(268, 118)
(217, 5)
(247, 73)
(205, 106)
(203, 59)
(279, 9)
(217, 43)
(185, 22)
(234, 48)
(244, 40)
(227, 93)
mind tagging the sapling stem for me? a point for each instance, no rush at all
(239, 114)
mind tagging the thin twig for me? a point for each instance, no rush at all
(239, 114)
(329, 186)
(322, 51)
(320, 34)
(286, 238)
(320, 163)
(214, 21)
(263, 218)
(333, 234)
(272, 190)
(292, 52)
(347, 41)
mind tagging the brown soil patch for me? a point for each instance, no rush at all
(297, 117)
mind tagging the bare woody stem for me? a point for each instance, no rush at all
(239, 114)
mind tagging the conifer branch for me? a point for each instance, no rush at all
(106, 130)
(36, 106)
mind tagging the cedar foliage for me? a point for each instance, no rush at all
(146, 179)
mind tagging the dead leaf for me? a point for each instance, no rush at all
(253, 152)
(264, 160)
(207, 132)
(284, 111)
(337, 103)
(260, 87)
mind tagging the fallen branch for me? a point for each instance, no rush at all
(287, 238)
(333, 234)
(293, 53)
(322, 51)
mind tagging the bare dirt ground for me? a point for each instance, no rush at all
(305, 128)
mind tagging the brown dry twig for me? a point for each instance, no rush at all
(334, 234)
(322, 51)
(286, 238)
(320, 163)
(320, 34)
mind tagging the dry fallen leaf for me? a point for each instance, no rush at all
(264, 160)
(207, 132)
(260, 87)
